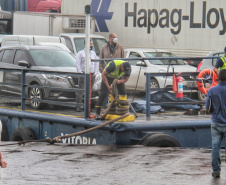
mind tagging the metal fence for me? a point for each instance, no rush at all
(150, 75)
(178, 102)
(24, 87)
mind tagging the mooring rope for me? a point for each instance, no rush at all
(116, 101)
(58, 138)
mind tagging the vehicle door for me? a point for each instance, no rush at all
(137, 78)
(69, 44)
(7, 62)
(13, 78)
(16, 75)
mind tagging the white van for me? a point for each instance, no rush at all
(34, 40)
(75, 41)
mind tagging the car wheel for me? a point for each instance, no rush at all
(35, 93)
(154, 83)
(201, 96)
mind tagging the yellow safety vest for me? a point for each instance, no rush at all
(224, 61)
(115, 73)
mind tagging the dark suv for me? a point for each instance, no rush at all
(38, 58)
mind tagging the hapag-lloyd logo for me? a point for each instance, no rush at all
(100, 12)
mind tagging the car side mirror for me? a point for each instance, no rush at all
(140, 63)
(23, 63)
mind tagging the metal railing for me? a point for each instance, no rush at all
(150, 75)
(86, 89)
(149, 89)
(23, 85)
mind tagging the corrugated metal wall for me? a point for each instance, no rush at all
(14, 5)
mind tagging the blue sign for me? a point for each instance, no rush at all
(100, 12)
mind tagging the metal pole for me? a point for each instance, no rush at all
(148, 95)
(87, 66)
(23, 81)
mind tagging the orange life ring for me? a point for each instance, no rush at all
(202, 75)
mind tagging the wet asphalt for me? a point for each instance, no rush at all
(59, 164)
(62, 164)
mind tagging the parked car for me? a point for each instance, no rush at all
(76, 41)
(38, 58)
(137, 80)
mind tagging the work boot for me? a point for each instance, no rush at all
(98, 108)
(216, 175)
(122, 97)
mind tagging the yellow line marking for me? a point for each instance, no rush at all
(42, 112)
(161, 113)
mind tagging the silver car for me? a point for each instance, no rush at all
(38, 58)
(137, 80)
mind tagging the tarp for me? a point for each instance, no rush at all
(140, 106)
(161, 97)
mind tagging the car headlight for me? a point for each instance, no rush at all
(55, 78)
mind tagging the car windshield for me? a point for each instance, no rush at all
(97, 44)
(163, 61)
(53, 58)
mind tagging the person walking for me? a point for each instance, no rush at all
(221, 63)
(216, 102)
(117, 69)
(94, 70)
(111, 50)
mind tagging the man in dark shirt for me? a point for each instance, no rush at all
(216, 102)
(117, 69)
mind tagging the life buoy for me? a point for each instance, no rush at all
(202, 75)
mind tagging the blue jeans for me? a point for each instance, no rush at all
(218, 132)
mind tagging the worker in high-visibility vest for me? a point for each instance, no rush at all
(221, 63)
(117, 69)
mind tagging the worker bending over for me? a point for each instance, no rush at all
(117, 69)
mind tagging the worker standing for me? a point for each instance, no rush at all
(221, 63)
(117, 69)
(111, 50)
(94, 70)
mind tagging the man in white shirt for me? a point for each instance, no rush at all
(94, 70)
